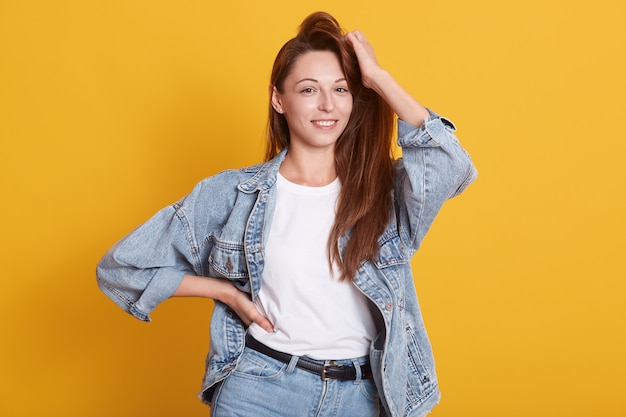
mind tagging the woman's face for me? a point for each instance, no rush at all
(315, 101)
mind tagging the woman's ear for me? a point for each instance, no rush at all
(276, 101)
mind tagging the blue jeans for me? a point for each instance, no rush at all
(262, 386)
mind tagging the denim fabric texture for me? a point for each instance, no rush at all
(219, 230)
(274, 388)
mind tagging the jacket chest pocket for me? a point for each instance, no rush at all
(390, 252)
(228, 260)
(391, 263)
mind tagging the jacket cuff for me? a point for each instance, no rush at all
(158, 290)
(429, 134)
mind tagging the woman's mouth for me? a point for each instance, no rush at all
(324, 123)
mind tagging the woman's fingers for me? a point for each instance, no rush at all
(248, 313)
(365, 55)
(264, 323)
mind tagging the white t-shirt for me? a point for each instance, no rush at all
(313, 313)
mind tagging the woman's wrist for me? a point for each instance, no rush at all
(224, 291)
(402, 103)
(379, 80)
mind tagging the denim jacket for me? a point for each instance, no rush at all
(220, 230)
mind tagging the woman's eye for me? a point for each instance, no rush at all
(342, 90)
(308, 90)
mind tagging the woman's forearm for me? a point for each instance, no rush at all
(402, 103)
(224, 291)
(204, 287)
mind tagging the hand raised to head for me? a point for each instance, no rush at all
(367, 58)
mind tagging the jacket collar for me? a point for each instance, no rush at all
(264, 174)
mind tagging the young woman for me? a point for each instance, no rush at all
(307, 255)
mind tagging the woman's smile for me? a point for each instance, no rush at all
(324, 124)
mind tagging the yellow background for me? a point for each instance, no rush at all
(110, 110)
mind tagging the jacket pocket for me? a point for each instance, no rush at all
(227, 260)
(390, 263)
(420, 383)
(390, 251)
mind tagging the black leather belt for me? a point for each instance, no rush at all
(326, 371)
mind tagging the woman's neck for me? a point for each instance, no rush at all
(313, 170)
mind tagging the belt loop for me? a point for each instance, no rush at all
(359, 374)
(292, 364)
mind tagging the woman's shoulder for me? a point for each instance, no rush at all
(226, 181)
(232, 176)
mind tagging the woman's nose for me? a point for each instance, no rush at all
(326, 102)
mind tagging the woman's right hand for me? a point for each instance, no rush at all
(240, 302)
(224, 291)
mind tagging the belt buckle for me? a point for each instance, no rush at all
(327, 366)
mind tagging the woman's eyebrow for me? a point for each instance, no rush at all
(339, 80)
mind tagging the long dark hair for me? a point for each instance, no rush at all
(362, 153)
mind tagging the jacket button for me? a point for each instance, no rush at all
(389, 306)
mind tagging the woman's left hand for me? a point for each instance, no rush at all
(367, 58)
(379, 80)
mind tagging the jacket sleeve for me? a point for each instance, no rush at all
(433, 168)
(147, 266)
